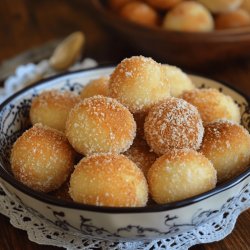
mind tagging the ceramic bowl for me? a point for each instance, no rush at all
(143, 223)
(187, 49)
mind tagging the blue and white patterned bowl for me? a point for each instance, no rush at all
(151, 222)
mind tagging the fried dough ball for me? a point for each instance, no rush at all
(51, 108)
(178, 80)
(140, 13)
(219, 6)
(108, 180)
(180, 174)
(173, 123)
(141, 155)
(138, 84)
(234, 19)
(117, 4)
(100, 125)
(213, 105)
(227, 146)
(163, 4)
(98, 86)
(42, 158)
(189, 16)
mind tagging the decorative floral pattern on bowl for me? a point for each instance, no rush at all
(119, 224)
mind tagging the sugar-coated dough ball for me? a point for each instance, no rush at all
(42, 158)
(180, 174)
(178, 80)
(219, 6)
(189, 16)
(173, 123)
(100, 125)
(234, 19)
(98, 86)
(51, 108)
(245, 5)
(213, 105)
(140, 13)
(138, 84)
(227, 146)
(117, 4)
(163, 4)
(141, 155)
(108, 180)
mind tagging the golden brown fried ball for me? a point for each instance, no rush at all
(100, 125)
(178, 80)
(138, 84)
(51, 108)
(235, 19)
(219, 6)
(227, 146)
(180, 174)
(98, 86)
(173, 123)
(141, 155)
(213, 105)
(108, 180)
(42, 158)
(163, 4)
(189, 16)
(140, 13)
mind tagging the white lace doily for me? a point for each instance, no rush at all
(44, 232)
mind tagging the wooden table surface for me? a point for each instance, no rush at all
(25, 24)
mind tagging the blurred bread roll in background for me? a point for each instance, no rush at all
(219, 6)
(163, 4)
(234, 19)
(140, 13)
(246, 5)
(189, 16)
(117, 4)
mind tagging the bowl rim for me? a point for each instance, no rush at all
(215, 34)
(49, 199)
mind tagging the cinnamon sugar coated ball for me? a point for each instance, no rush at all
(189, 16)
(220, 6)
(227, 146)
(51, 108)
(173, 123)
(98, 86)
(42, 158)
(180, 174)
(163, 4)
(100, 125)
(234, 19)
(138, 84)
(108, 180)
(213, 105)
(178, 80)
(141, 155)
(140, 13)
